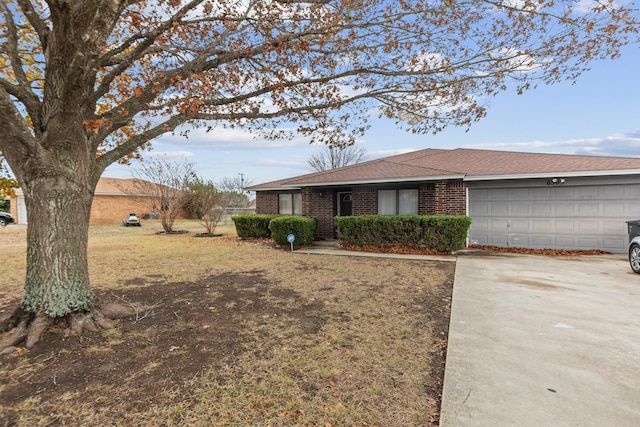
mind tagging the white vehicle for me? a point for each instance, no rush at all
(132, 220)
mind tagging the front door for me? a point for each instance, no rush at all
(344, 204)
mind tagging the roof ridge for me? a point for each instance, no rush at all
(342, 168)
(590, 156)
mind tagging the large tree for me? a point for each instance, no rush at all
(86, 83)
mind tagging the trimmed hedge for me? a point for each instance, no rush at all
(444, 233)
(253, 225)
(302, 227)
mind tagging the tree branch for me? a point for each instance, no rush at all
(34, 19)
(24, 93)
(17, 143)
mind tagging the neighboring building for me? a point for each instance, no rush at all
(114, 199)
(514, 199)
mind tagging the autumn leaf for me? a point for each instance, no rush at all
(94, 125)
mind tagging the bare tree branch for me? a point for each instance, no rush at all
(331, 157)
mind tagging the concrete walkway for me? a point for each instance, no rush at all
(543, 341)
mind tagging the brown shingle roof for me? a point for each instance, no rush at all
(462, 163)
(117, 186)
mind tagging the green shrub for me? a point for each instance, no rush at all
(302, 228)
(444, 233)
(253, 225)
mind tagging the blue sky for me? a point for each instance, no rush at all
(599, 114)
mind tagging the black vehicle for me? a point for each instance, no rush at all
(5, 219)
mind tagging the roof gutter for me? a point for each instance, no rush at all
(368, 181)
(278, 188)
(552, 174)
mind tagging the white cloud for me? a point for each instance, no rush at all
(378, 154)
(627, 145)
(169, 154)
(585, 6)
(526, 5)
(227, 139)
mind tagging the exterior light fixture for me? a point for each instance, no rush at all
(556, 181)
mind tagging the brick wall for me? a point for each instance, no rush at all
(457, 192)
(308, 198)
(365, 201)
(315, 203)
(267, 202)
(322, 205)
(113, 208)
(450, 198)
(427, 199)
(13, 208)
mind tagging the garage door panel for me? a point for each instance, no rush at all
(613, 208)
(520, 225)
(499, 240)
(541, 209)
(541, 242)
(632, 192)
(499, 209)
(563, 193)
(564, 242)
(481, 225)
(519, 240)
(480, 239)
(499, 194)
(567, 217)
(614, 245)
(565, 226)
(565, 209)
(587, 243)
(613, 227)
(588, 209)
(521, 209)
(478, 195)
(633, 210)
(588, 193)
(479, 209)
(587, 227)
(541, 226)
(499, 225)
(616, 192)
(519, 194)
(541, 193)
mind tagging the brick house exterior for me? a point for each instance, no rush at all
(448, 197)
(114, 199)
(533, 200)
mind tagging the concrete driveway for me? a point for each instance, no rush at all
(543, 341)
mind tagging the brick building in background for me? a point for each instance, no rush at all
(518, 199)
(114, 199)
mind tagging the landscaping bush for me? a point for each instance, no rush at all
(443, 233)
(253, 225)
(302, 227)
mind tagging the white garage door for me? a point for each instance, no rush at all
(563, 217)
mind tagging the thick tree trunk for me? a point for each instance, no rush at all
(57, 280)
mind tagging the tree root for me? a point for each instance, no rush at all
(27, 328)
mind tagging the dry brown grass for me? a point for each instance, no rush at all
(245, 335)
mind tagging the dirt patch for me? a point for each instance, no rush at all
(220, 337)
(530, 251)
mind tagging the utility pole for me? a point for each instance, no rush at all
(241, 181)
